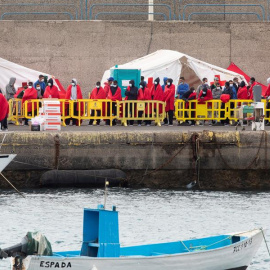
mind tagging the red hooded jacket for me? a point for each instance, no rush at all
(117, 95)
(98, 93)
(51, 92)
(4, 107)
(169, 93)
(242, 93)
(30, 93)
(79, 96)
(145, 95)
(157, 94)
(250, 91)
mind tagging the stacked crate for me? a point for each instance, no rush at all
(52, 114)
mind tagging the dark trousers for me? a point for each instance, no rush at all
(93, 114)
(169, 115)
(4, 124)
(222, 114)
(114, 112)
(76, 113)
(128, 110)
(267, 113)
(140, 114)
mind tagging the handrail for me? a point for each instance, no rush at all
(126, 5)
(224, 13)
(36, 13)
(226, 5)
(131, 13)
(44, 5)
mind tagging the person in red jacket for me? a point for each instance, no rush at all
(267, 97)
(242, 91)
(74, 93)
(98, 93)
(144, 93)
(30, 93)
(107, 85)
(114, 94)
(157, 94)
(51, 91)
(252, 83)
(169, 94)
(4, 108)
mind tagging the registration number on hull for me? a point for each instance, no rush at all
(242, 246)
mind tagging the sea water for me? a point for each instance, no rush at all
(145, 216)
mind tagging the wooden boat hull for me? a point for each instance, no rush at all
(5, 160)
(236, 256)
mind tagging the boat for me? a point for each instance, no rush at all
(101, 250)
(5, 159)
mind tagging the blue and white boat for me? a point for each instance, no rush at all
(101, 250)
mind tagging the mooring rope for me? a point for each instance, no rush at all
(265, 241)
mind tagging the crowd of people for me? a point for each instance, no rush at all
(166, 92)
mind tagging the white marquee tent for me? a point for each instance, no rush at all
(22, 74)
(173, 64)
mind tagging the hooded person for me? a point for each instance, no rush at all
(114, 95)
(157, 94)
(10, 88)
(165, 83)
(107, 85)
(144, 94)
(187, 97)
(169, 95)
(252, 83)
(205, 95)
(131, 94)
(4, 109)
(267, 97)
(98, 93)
(242, 91)
(29, 94)
(51, 91)
(74, 93)
(267, 92)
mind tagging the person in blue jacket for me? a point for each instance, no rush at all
(182, 87)
(234, 89)
(165, 83)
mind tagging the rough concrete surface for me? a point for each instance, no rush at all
(85, 49)
(228, 159)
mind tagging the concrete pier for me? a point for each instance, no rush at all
(155, 157)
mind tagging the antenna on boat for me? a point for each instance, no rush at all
(105, 192)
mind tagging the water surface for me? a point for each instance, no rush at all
(145, 216)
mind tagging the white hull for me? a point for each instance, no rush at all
(5, 160)
(236, 256)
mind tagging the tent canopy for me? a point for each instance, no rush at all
(233, 67)
(22, 74)
(173, 64)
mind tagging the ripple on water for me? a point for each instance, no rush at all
(146, 216)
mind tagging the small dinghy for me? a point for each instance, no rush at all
(5, 159)
(101, 250)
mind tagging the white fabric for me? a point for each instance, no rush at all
(268, 81)
(167, 63)
(21, 73)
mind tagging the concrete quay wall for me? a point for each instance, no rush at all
(228, 160)
(85, 49)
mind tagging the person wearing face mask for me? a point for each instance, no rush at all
(97, 93)
(236, 83)
(144, 93)
(107, 85)
(51, 90)
(114, 95)
(242, 91)
(131, 94)
(233, 89)
(165, 83)
(169, 95)
(4, 110)
(42, 84)
(30, 93)
(10, 88)
(74, 93)
(182, 87)
(214, 85)
(201, 86)
(217, 91)
(157, 94)
(267, 97)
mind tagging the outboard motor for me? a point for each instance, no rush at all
(31, 244)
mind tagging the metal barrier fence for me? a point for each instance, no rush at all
(141, 110)
(83, 9)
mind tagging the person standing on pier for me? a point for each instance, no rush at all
(74, 93)
(98, 93)
(4, 108)
(51, 90)
(10, 88)
(169, 95)
(131, 94)
(158, 95)
(114, 95)
(144, 94)
(108, 85)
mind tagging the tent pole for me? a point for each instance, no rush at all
(150, 10)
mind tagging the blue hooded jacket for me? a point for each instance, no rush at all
(163, 86)
(182, 88)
